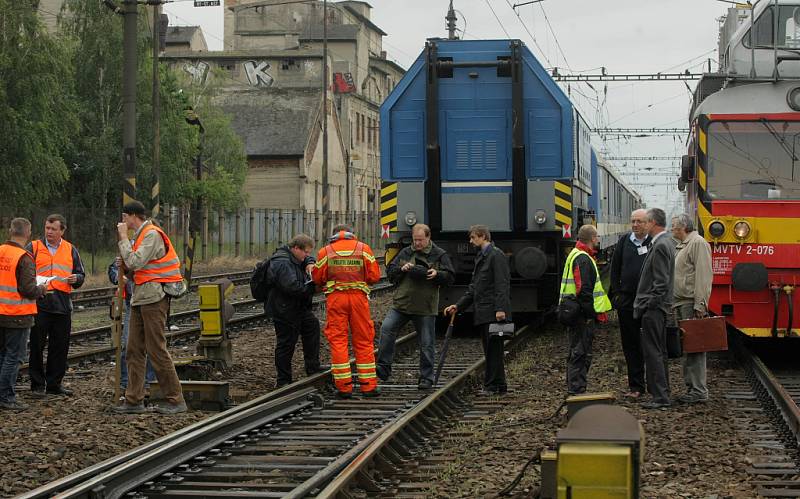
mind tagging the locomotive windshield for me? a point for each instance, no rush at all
(753, 160)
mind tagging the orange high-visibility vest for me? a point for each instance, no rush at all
(11, 302)
(59, 265)
(165, 269)
(346, 269)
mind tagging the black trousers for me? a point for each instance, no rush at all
(306, 327)
(494, 379)
(53, 330)
(581, 337)
(654, 348)
(630, 330)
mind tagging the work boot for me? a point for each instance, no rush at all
(372, 393)
(38, 392)
(171, 408)
(13, 406)
(59, 390)
(126, 408)
(425, 384)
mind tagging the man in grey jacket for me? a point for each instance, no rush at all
(418, 271)
(692, 289)
(652, 304)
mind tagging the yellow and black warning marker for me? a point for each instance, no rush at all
(562, 190)
(389, 205)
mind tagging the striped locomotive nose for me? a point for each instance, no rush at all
(562, 191)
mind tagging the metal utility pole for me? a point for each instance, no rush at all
(129, 101)
(195, 215)
(154, 194)
(326, 207)
(451, 23)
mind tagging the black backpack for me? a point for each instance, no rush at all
(259, 281)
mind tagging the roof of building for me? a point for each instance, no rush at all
(272, 122)
(181, 34)
(364, 20)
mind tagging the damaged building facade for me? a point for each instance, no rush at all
(270, 75)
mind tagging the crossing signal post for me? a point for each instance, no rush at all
(215, 312)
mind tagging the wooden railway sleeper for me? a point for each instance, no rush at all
(366, 482)
(383, 463)
(398, 446)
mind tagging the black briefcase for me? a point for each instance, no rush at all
(503, 330)
(674, 345)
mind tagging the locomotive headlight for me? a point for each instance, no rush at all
(716, 229)
(793, 98)
(410, 218)
(741, 230)
(540, 217)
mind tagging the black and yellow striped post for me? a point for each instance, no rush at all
(562, 194)
(389, 219)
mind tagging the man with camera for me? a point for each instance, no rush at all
(418, 271)
(581, 282)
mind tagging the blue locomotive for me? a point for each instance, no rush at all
(477, 132)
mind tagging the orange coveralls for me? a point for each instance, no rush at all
(345, 268)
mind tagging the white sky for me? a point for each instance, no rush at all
(625, 36)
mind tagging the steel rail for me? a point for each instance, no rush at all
(59, 486)
(117, 481)
(355, 471)
(779, 395)
(171, 336)
(92, 295)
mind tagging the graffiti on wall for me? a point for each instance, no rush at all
(257, 74)
(198, 70)
(343, 83)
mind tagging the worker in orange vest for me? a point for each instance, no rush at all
(155, 265)
(58, 260)
(18, 294)
(345, 268)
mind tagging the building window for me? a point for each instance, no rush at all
(369, 131)
(358, 127)
(363, 128)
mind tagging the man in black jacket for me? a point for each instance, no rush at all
(490, 294)
(626, 264)
(289, 306)
(418, 271)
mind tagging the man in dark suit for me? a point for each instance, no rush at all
(489, 293)
(626, 265)
(652, 304)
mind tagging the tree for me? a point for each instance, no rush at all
(96, 34)
(38, 116)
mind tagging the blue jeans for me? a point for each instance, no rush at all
(150, 374)
(13, 343)
(426, 333)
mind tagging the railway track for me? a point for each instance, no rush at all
(101, 296)
(766, 412)
(94, 344)
(298, 441)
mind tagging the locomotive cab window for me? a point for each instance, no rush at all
(753, 160)
(788, 28)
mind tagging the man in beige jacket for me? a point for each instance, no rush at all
(691, 291)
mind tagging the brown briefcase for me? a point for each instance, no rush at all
(704, 335)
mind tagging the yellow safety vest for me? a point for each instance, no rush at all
(601, 301)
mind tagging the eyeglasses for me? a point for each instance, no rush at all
(638, 221)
